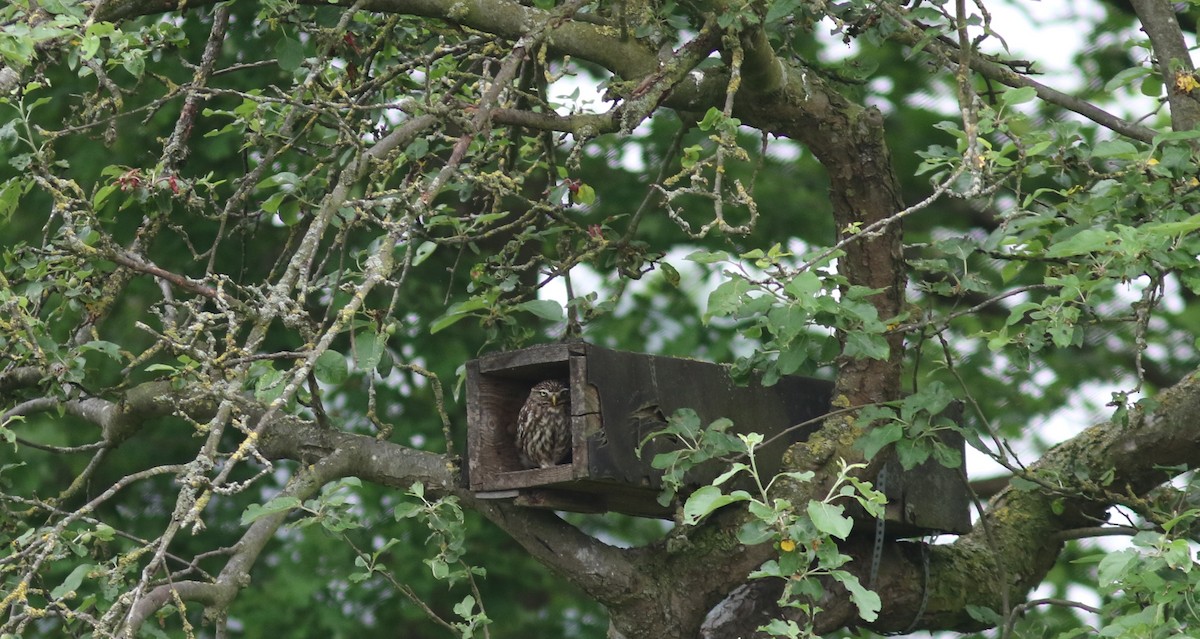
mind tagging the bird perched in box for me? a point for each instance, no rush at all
(544, 425)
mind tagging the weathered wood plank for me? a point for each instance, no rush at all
(618, 398)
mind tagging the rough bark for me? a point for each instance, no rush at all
(1021, 536)
(1174, 60)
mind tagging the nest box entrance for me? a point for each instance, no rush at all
(617, 398)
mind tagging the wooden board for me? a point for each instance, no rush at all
(618, 398)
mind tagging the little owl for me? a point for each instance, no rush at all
(543, 425)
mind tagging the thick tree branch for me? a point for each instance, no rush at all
(1027, 530)
(604, 572)
(1023, 521)
(581, 124)
(236, 573)
(1174, 60)
(117, 420)
(380, 462)
(21, 377)
(204, 593)
(600, 44)
(597, 568)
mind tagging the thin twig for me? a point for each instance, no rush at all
(1095, 531)
(912, 34)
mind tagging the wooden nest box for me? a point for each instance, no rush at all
(617, 398)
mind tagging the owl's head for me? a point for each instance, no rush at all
(551, 391)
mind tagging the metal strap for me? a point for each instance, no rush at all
(877, 556)
(877, 552)
(924, 588)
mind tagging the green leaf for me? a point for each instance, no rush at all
(1175, 136)
(1020, 483)
(406, 510)
(1114, 149)
(368, 349)
(99, 198)
(878, 437)
(279, 179)
(586, 195)
(781, 9)
(112, 351)
(418, 149)
(782, 628)
(707, 257)
(705, 500)
(665, 460)
(912, 453)
(752, 440)
(984, 615)
(1185, 516)
(1083, 243)
(424, 250)
(102, 28)
(89, 46)
(545, 309)
(726, 298)
(829, 518)
(803, 285)
(457, 312)
(10, 195)
(277, 505)
(770, 568)
(1018, 96)
(669, 274)
(1151, 86)
(331, 368)
(1174, 229)
(754, 532)
(1112, 568)
(290, 54)
(712, 118)
(271, 204)
(725, 476)
(866, 346)
(465, 608)
(1125, 77)
(72, 582)
(1017, 313)
(445, 321)
(134, 62)
(948, 457)
(866, 601)
(269, 385)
